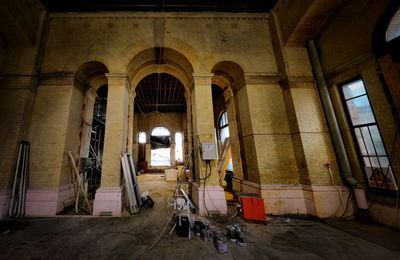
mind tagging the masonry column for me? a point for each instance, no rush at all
(17, 99)
(131, 127)
(55, 128)
(207, 194)
(148, 149)
(108, 198)
(172, 150)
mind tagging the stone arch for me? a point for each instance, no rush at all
(92, 74)
(160, 60)
(229, 76)
(172, 43)
(229, 71)
(82, 56)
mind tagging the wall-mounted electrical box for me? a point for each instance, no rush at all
(208, 151)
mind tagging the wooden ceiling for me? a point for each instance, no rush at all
(160, 92)
(159, 5)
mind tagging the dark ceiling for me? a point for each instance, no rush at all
(160, 92)
(253, 6)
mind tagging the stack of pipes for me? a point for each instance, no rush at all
(17, 203)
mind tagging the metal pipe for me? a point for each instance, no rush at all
(12, 201)
(332, 122)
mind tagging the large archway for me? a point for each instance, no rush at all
(161, 81)
(228, 78)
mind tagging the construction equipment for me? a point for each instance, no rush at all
(223, 160)
(79, 185)
(17, 203)
(131, 184)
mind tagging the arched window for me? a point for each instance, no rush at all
(160, 131)
(393, 30)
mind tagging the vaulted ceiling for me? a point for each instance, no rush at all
(160, 92)
(159, 5)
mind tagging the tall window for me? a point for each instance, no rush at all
(368, 138)
(224, 133)
(179, 147)
(223, 127)
(393, 30)
(142, 138)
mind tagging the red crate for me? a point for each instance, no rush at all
(253, 207)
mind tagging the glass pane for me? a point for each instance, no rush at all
(160, 131)
(142, 138)
(224, 134)
(360, 111)
(160, 157)
(360, 141)
(376, 137)
(224, 119)
(379, 173)
(178, 147)
(353, 89)
(367, 140)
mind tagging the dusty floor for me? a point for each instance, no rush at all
(129, 237)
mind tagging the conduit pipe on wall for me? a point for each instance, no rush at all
(334, 128)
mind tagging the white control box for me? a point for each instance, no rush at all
(209, 151)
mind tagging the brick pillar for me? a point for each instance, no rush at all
(108, 196)
(131, 127)
(172, 150)
(16, 105)
(55, 128)
(211, 197)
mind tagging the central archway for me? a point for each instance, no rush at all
(161, 81)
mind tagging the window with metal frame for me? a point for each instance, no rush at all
(377, 169)
(223, 127)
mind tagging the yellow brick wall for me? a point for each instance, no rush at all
(15, 110)
(115, 134)
(72, 138)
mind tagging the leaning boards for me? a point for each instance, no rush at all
(131, 186)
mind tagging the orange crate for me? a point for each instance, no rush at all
(252, 207)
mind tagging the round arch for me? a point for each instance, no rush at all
(229, 76)
(140, 46)
(228, 73)
(92, 73)
(160, 60)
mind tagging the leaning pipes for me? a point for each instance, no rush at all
(334, 128)
(17, 203)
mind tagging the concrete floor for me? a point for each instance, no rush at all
(129, 237)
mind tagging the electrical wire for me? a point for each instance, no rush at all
(158, 238)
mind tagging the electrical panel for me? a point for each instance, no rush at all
(208, 151)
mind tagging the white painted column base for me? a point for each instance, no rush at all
(5, 196)
(48, 202)
(108, 202)
(210, 198)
